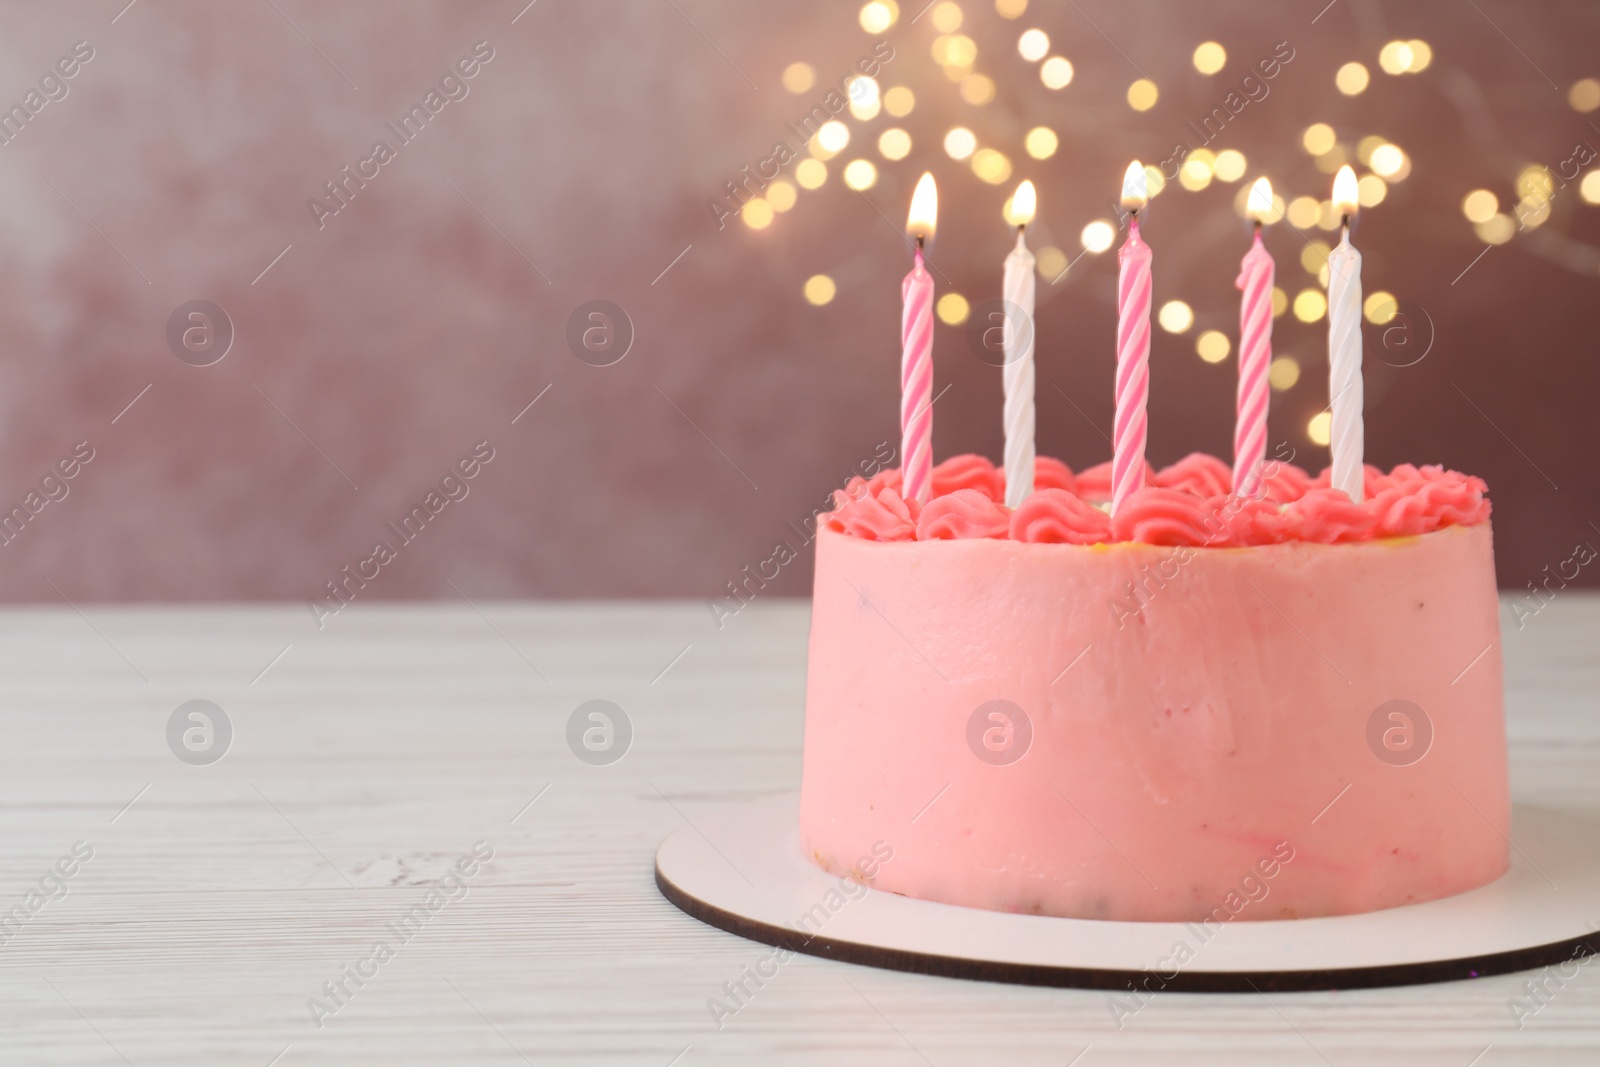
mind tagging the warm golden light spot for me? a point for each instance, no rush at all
(1387, 159)
(1535, 181)
(860, 174)
(1533, 212)
(1097, 236)
(781, 195)
(960, 50)
(1195, 174)
(811, 173)
(1230, 165)
(899, 101)
(946, 17)
(833, 136)
(1371, 190)
(991, 166)
(865, 99)
(1310, 305)
(1033, 44)
(1280, 302)
(1589, 189)
(1367, 145)
(1421, 56)
(1175, 316)
(1050, 262)
(1210, 57)
(1329, 219)
(1496, 230)
(1283, 372)
(953, 309)
(819, 289)
(798, 77)
(977, 89)
(1479, 205)
(1142, 95)
(1304, 211)
(1056, 73)
(1320, 429)
(894, 144)
(1396, 57)
(1314, 256)
(960, 143)
(1041, 142)
(879, 15)
(1380, 308)
(1352, 79)
(757, 214)
(1331, 160)
(817, 151)
(1213, 346)
(1011, 9)
(1318, 138)
(1584, 96)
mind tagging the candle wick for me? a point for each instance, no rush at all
(920, 238)
(1345, 222)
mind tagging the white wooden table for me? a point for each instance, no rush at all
(371, 755)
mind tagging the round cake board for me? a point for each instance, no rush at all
(742, 870)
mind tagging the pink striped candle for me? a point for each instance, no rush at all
(1133, 347)
(916, 348)
(1255, 350)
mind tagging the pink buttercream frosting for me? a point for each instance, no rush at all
(1283, 482)
(1157, 516)
(872, 513)
(1197, 473)
(1187, 503)
(960, 515)
(1094, 483)
(1053, 474)
(969, 471)
(1327, 516)
(1059, 517)
(1373, 480)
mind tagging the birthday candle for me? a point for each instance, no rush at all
(1016, 291)
(1255, 350)
(1133, 346)
(1344, 344)
(916, 360)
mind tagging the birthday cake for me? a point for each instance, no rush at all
(1208, 707)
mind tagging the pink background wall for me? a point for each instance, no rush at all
(424, 316)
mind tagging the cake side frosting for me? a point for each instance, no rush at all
(1174, 718)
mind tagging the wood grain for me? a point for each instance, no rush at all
(374, 753)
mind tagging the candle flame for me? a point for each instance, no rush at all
(1024, 202)
(924, 216)
(1135, 187)
(1261, 206)
(1346, 193)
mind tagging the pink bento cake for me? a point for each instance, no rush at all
(1206, 708)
